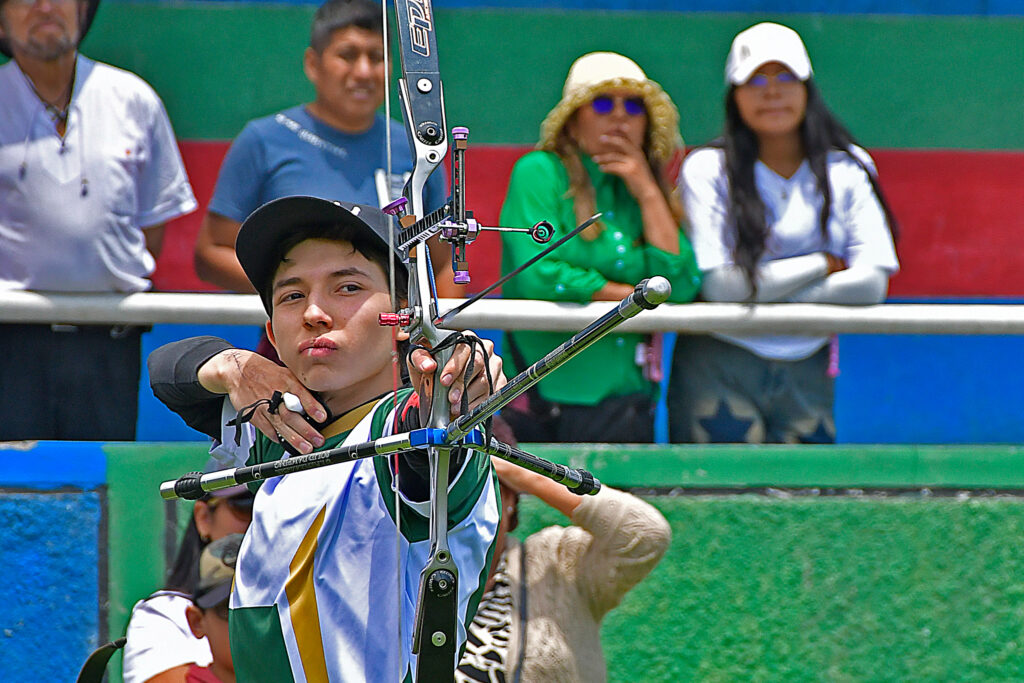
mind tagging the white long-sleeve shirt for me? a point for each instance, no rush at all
(794, 267)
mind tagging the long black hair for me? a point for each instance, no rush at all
(183, 575)
(821, 133)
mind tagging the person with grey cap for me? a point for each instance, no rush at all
(607, 147)
(89, 174)
(783, 207)
(208, 614)
(325, 544)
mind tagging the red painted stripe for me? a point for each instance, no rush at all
(174, 270)
(961, 218)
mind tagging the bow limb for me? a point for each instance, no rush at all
(435, 636)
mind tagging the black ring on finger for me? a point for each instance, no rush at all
(276, 399)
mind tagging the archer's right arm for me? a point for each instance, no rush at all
(174, 378)
(193, 376)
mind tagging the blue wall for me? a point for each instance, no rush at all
(157, 423)
(51, 558)
(930, 389)
(891, 388)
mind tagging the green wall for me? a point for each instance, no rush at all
(889, 582)
(902, 82)
(143, 528)
(825, 589)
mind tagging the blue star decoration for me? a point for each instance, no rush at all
(724, 427)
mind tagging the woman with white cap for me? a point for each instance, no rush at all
(784, 207)
(605, 147)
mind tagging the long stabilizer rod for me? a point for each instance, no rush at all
(647, 295)
(195, 484)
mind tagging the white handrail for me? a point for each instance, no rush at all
(245, 309)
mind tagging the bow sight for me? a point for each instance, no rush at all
(451, 221)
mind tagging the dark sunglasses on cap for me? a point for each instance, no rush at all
(605, 104)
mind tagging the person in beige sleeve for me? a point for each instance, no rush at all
(540, 617)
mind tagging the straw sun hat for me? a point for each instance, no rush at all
(598, 72)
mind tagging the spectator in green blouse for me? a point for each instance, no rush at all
(608, 146)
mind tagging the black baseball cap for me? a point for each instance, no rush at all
(260, 240)
(90, 14)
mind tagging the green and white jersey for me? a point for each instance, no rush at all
(316, 596)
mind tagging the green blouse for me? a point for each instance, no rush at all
(572, 273)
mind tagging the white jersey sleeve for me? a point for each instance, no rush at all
(864, 226)
(224, 452)
(704, 191)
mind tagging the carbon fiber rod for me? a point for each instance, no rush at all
(578, 481)
(194, 484)
(647, 295)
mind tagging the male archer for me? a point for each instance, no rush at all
(316, 594)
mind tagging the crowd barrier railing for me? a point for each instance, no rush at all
(147, 308)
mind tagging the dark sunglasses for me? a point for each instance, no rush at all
(240, 505)
(605, 104)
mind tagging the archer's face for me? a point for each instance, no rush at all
(44, 29)
(349, 77)
(326, 298)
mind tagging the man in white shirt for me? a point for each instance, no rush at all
(89, 174)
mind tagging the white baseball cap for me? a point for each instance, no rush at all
(763, 43)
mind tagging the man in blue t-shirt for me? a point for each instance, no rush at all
(333, 147)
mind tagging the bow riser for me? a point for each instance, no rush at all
(422, 98)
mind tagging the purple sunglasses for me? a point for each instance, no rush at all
(605, 104)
